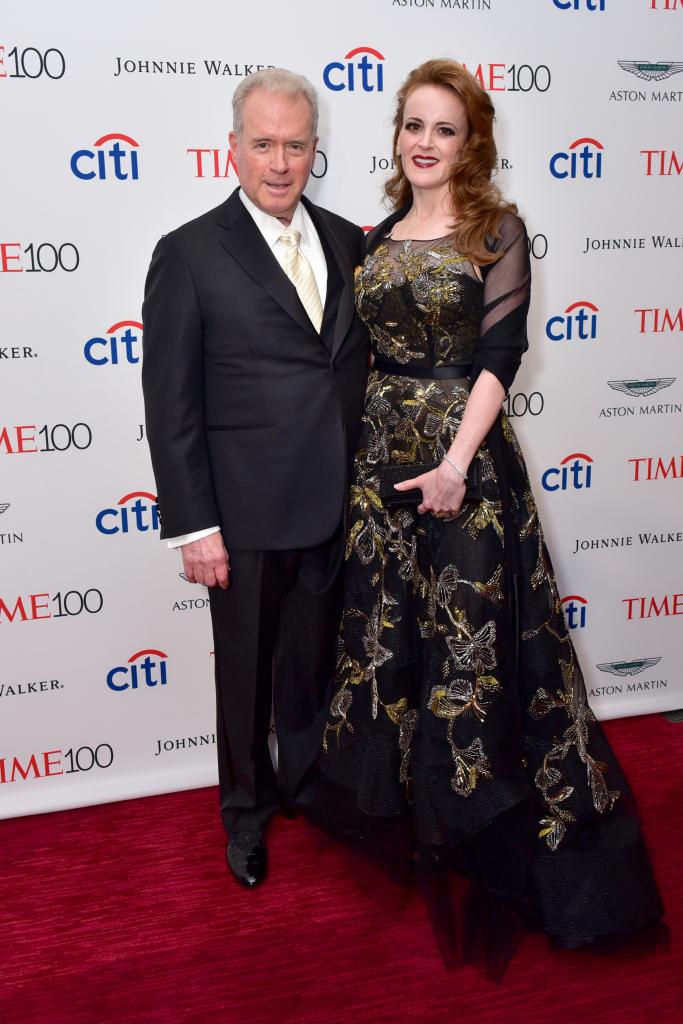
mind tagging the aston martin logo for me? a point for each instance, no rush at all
(3, 506)
(641, 388)
(656, 72)
(628, 668)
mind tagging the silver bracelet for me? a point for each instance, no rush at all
(457, 468)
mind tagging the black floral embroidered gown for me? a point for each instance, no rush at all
(459, 717)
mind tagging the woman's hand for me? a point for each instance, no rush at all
(443, 490)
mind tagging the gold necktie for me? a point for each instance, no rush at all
(300, 273)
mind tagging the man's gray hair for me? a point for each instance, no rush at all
(276, 80)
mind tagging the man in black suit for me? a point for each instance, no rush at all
(254, 375)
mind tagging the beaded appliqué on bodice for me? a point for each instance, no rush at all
(421, 301)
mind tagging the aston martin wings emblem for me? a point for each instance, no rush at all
(4, 505)
(651, 72)
(641, 388)
(628, 668)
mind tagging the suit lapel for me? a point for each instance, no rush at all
(346, 303)
(240, 236)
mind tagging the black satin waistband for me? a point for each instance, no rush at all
(423, 372)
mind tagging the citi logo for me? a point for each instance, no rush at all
(573, 473)
(135, 511)
(118, 346)
(575, 610)
(366, 73)
(117, 161)
(150, 671)
(580, 5)
(582, 160)
(662, 163)
(666, 5)
(579, 322)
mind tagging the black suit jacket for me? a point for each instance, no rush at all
(251, 415)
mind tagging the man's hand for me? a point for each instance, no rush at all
(206, 561)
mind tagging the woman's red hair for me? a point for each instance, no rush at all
(477, 203)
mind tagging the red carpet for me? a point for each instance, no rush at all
(125, 913)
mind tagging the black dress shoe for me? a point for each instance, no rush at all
(247, 857)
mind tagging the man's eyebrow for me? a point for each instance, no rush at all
(269, 138)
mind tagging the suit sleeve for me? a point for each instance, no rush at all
(359, 247)
(507, 287)
(173, 386)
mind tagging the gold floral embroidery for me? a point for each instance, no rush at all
(407, 731)
(532, 527)
(572, 700)
(470, 764)
(422, 629)
(341, 702)
(485, 513)
(365, 537)
(463, 696)
(470, 649)
(437, 593)
(445, 298)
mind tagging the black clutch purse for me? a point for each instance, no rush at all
(390, 475)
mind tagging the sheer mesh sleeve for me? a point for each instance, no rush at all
(507, 286)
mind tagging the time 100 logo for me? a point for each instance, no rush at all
(29, 62)
(520, 404)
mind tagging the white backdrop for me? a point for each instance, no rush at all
(106, 667)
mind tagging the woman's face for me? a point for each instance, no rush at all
(432, 135)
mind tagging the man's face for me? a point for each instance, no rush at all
(275, 152)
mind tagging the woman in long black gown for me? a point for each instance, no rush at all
(459, 733)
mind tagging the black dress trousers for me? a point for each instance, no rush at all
(275, 631)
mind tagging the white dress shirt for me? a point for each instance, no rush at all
(271, 229)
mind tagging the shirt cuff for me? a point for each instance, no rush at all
(187, 538)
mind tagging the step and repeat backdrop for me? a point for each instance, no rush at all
(115, 124)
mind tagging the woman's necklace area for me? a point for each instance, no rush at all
(426, 231)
